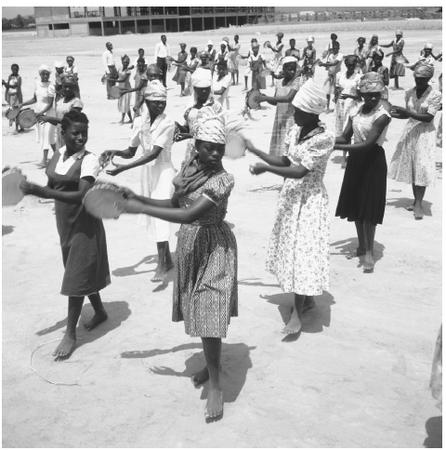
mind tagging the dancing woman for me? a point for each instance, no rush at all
(71, 172)
(397, 68)
(298, 253)
(363, 192)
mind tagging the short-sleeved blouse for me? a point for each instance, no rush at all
(430, 101)
(363, 123)
(350, 85)
(45, 93)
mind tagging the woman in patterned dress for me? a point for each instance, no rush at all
(181, 63)
(191, 64)
(13, 94)
(414, 158)
(363, 192)
(124, 83)
(298, 253)
(283, 97)
(397, 68)
(346, 96)
(71, 172)
(205, 289)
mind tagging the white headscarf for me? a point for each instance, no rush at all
(155, 91)
(44, 68)
(201, 78)
(310, 98)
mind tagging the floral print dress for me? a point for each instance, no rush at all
(298, 252)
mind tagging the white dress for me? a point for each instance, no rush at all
(298, 253)
(157, 175)
(344, 107)
(414, 158)
(217, 84)
(45, 132)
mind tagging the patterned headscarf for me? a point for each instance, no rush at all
(310, 98)
(371, 82)
(155, 91)
(212, 129)
(423, 70)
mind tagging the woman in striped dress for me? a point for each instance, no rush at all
(124, 83)
(397, 68)
(205, 290)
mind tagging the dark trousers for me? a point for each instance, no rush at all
(162, 65)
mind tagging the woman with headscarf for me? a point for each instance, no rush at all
(346, 96)
(192, 63)
(397, 68)
(363, 193)
(123, 82)
(153, 131)
(298, 253)
(285, 92)
(257, 64)
(205, 289)
(414, 158)
(361, 53)
(44, 93)
(333, 66)
(233, 60)
(180, 74)
(71, 71)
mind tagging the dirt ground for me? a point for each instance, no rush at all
(357, 376)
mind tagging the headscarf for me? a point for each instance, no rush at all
(423, 70)
(201, 78)
(310, 98)
(398, 33)
(77, 103)
(371, 82)
(279, 34)
(429, 45)
(211, 129)
(59, 64)
(310, 39)
(155, 91)
(351, 59)
(210, 42)
(44, 68)
(289, 59)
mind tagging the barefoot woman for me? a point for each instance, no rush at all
(205, 290)
(298, 250)
(71, 172)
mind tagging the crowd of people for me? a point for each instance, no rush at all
(205, 286)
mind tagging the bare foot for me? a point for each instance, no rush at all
(98, 318)
(161, 273)
(65, 348)
(418, 212)
(200, 377)
(214, 406)
(294, 325)
(369, 263)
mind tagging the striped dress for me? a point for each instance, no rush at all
(205, 287)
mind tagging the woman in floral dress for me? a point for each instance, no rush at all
(414, 158)
(298, 252)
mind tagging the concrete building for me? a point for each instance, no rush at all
(103, 21)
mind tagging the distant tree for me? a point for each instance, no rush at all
(19, 21)
(6, 24)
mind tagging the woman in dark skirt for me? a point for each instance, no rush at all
(363, 193)
(71, 172)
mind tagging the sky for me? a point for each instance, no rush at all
(9, 12)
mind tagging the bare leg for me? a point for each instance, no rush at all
(100, 315)
(66, 347)
(122, 118)
(294, 325)
(182, 90)
(344, 161)
(360, 251)
(236, 73)
(396, 82)
(212, 353)
(44, 157)
(369, 233)
(328, 102)
(164, 261)
(246, 83)
(419, 192)
(130, 116)
(411, 206)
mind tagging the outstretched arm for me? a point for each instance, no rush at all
(156, 150)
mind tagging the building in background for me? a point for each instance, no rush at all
(103, 21)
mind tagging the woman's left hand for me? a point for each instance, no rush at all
(257, 168)
(399, 113)
(29, 188)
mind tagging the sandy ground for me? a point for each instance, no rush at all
(357, 376)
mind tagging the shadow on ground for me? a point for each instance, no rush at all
(347, 248)
(235, 361)
(404, 202)
(7, 229)
(434, 430)
(130, 270)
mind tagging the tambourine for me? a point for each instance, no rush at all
(251, 99)
(115, 92)
(105, 200)
(12, 113)
(267, 44)
(12, 194)
(26, 118)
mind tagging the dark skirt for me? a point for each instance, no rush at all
(363, 191)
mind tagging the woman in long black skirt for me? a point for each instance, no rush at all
(363, 193)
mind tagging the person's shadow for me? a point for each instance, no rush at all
(130, 270)
(347, 248)
(404, 202)
(434, 430)
(117, 312)
(235, 361)
(313, 320)
(7, 229)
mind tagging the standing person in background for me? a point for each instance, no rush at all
(233, 60)
(222, 54)
(162, 51)
(221, 82)
(361, 52)
(371, 50)
(256, 65)
(204, 60)
(248, 71)
(347, 96)
(154, 132)
(211, 51)
(414, 159)
(283, 97)
(293, 51)
(71, 71)
(377, 66)
(111, 73)
(192, 63)
(124, 83)
(59, 76)
(180, 74)
(333, 66)
(426, 56)
(141, 53)
(308, 59)
(277, 50)
(397, 68)
(44, 93)
(363, 193)
(13, 92)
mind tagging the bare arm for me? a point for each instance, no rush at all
(156, 150)
(30, 101)
(292, 171)
(279, 161)
(280, 98)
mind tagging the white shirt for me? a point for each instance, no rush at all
(45, 93)
(334, 58)
(161, 50)
(159, 133)
(108, 59)
(218, 84)
(90, 164)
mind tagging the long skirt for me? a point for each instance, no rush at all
(124, 103)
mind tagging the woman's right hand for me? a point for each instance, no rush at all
(132, 206)
(41, 118)
(106, 157)
(257, 168)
